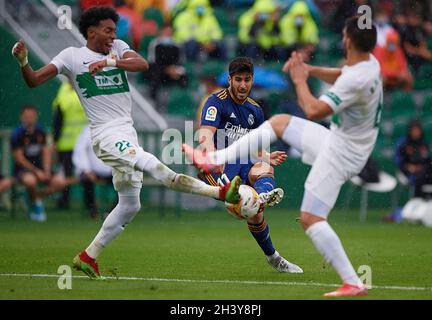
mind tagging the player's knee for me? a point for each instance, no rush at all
(308, 219)
(260, 170)
(279, 122)
(29, 180)
(258, 218)
(58, 182)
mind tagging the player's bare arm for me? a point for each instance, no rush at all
(314, 108)
(132, 62)
(46, 161)
(205, 138)
(325, 74)
(31, 77)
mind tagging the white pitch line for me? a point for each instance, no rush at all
(284, 283)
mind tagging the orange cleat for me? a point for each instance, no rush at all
(348, 290)
(200, 159)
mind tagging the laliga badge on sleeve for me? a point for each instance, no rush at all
(211, 114)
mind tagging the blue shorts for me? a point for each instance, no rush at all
(231, 170)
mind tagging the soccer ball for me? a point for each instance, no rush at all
(248, 206)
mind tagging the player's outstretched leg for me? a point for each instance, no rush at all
(184, 183)
(261, 175)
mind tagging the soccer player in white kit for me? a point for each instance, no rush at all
(336, 155)
(97, 72)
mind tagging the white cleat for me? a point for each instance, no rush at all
(272, 197)
(282, 265)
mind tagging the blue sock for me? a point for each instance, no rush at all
(264, 184)
(261, 234)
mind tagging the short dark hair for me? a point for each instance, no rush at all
(94, 15)
(241, 65)
(363, 39)
(28, 107)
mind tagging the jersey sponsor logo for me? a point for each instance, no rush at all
(233, 115)
(235, 132)
(104, 83)
(211, 114)
(86, 62)
(251, 119)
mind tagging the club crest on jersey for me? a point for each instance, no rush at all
(211, 114)
(251, 119)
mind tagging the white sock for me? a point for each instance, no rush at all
(329, 245)
(250, 144)
(115, 223)
(176, 181)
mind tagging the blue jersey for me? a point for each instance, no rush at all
(233, 120)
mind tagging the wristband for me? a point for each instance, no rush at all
(111, 62)
(23, 63)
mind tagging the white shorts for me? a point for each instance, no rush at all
(118, 147)
(329, 170)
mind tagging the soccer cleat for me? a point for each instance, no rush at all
(199, 159)
(271, 198)
(82, 262)
(229, 192)
(348, 290)
(282, 265)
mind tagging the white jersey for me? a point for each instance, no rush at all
(356, 99)
(106, 96)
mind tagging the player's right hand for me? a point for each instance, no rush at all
(20, 52)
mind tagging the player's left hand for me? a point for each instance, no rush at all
(277, 158)
(297, 68)
(96, 67)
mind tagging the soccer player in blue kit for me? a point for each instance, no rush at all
(227, 115)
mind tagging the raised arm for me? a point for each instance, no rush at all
(31, 77)
(132, 62)
(328, 75)
(314, 108)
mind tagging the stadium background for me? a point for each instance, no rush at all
(181, 104)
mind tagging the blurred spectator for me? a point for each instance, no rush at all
(259, 31)
(90, 170)
(68, 121)
(208, 86)
(141, 5)
(394, 66)
(32, 160)
(413, 157)
(166, 59)
(423, 7)
(87, 4)
(382, 20)
(298, 30)
(413, 39)
(198, 29)
(138, 26)
(313, 8)
(5, 183)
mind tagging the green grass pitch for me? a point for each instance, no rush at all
(208, 255)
